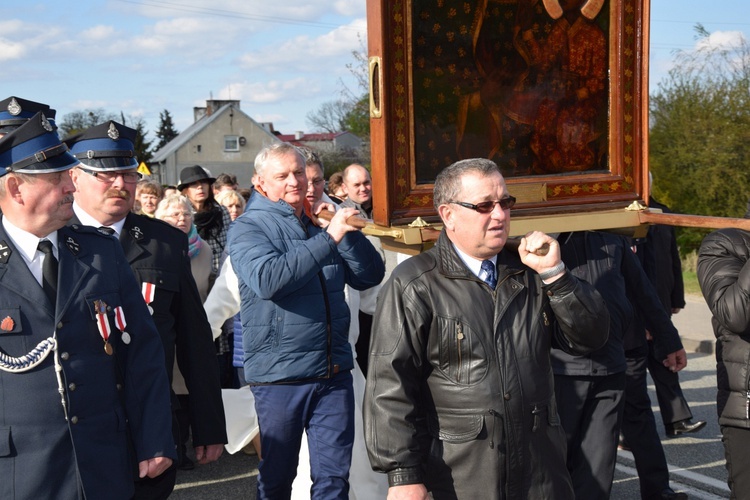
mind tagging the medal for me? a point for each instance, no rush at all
(121, 324)
(102, 322)
(148, 290)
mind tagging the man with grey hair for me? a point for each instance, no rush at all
(298, 360)
(460, 385)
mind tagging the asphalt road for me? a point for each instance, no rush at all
(696, 461)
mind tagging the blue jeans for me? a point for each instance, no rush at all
(323, 408)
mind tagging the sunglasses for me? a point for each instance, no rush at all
(488, 206)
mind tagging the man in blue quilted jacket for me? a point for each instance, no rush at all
(297, 358)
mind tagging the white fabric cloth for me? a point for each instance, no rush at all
(242, 422)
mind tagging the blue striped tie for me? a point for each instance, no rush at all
(490, 273)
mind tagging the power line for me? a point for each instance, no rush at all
(693, 23)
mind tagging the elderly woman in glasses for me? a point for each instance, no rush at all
(175, 209)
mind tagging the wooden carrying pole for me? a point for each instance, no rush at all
(686, 220)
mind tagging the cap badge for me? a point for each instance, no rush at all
(14, 108)
(7, 324)
(46, 124)
(72, 245)
(4, 252)
(113, 133)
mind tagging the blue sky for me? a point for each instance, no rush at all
(281, 58)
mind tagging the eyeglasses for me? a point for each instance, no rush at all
(315, 182)
(488, 206)
(110, 177)
(177, 215)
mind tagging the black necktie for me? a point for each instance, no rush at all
(107, 230)
(49, 271)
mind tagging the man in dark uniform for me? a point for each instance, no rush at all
(158, 255)
(81, 365)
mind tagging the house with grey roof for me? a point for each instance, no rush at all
(222, 139)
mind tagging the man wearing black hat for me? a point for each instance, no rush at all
(81, 365)
(158, 255)
(15, 111)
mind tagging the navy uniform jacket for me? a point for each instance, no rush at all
(41, 454)
(158, 254)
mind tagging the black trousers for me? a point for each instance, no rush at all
(590, 411)
(362, 347)
(737, 452)
(672, 403)
(639, 427)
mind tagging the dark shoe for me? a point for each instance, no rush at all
(622, 444)
(186, 464)
(684, 427)
(670, 494)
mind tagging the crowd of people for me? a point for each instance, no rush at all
(134, 313)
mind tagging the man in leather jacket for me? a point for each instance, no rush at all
(724, 276)
(459, 399)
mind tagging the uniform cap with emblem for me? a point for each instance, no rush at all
(34, 148)
(106, 147)
(15, 111)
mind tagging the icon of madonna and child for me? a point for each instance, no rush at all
(522, 82)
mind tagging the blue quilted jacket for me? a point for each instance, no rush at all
(292, 275)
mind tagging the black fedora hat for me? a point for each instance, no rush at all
(189, 175)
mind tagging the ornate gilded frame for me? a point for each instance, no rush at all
(399, 196)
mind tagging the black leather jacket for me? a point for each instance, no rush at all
(460, 389)
(724, 276)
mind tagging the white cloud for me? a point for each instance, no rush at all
(11, 27)
(21, 40)
(268, 92)
(722, 40)
(10, 50)
(269, 14)
(98, 33)
(81, 104)
(322, 54)
(351, 8)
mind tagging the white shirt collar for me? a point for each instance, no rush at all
(87, 220)
(474, 265)
(27, 243)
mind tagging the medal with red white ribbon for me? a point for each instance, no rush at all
(102, 322)
(121, 324)
(149, 289)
